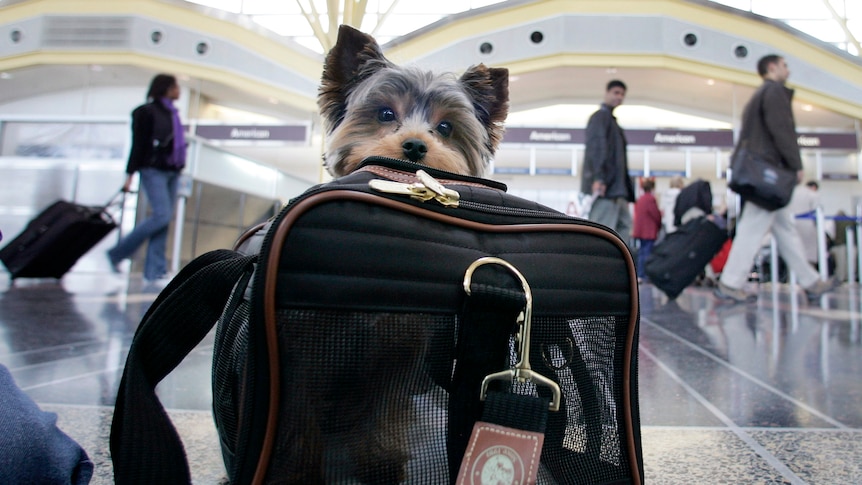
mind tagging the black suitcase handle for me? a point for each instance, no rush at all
(120, 194)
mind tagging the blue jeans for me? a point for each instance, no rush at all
(161, 189)
(32, 448)
(643, 253)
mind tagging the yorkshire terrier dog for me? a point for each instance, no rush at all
(370, 106)
(351, 380)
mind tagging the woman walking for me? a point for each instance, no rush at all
(158, 153)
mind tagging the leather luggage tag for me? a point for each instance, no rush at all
(501, 455)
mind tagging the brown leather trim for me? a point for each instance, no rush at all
(409, 178)
(634, 314)
(306, 204)
(248, 234)
(270, 329)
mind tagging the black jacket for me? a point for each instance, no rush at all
(152, 137)
(768, 128)
(697, 194)
(605, 156)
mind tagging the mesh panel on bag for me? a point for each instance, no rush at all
(363, 398)
(585, 442)
(229, 396)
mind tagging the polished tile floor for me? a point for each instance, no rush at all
(764, 392)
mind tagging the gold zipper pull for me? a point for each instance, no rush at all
(447, 197)
(416, 190)
(426, 189)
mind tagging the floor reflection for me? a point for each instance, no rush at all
(730, 390)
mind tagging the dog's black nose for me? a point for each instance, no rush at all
(414, 149)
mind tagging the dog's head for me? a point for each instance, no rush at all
(370, 106)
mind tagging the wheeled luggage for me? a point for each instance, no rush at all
(676, 261)
(720, 259)
(365, 331)
(55, 239)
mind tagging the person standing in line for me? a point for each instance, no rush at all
(158, 153)
(804, 202)
(839, 248)
(768, 129)
(668, 202)
(647, 224)
(606, 171)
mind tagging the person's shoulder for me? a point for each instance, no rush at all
(143, 109)
(773, 89)
(600, 114)
(602, 111)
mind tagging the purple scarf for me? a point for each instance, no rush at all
(177, 157)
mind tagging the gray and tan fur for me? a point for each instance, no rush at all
(370, 106)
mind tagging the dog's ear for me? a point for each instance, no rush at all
(354, 57)
(489, 90)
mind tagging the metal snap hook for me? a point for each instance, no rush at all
(522, 371)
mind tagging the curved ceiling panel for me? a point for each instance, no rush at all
(696, 38)
(666, 50)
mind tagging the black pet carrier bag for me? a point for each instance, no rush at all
(400, 325)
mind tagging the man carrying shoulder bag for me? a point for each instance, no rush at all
(769, 133)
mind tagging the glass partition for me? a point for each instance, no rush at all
(70, 140)
(84, 161)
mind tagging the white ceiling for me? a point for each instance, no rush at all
(835, 21)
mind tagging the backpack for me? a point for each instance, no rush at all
(383, 321)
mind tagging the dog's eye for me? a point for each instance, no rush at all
(444, 128)
(385, 115)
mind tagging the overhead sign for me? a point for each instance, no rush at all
(677, 138)
(576, 136)
(845, 141)
(683, 138)
(283, 133)
(840, 176)
(544, 136)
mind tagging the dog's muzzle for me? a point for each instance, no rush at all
(414, 149)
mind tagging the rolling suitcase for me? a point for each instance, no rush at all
(720, 259)
(363, 333)
(55, 239)
(676, 261)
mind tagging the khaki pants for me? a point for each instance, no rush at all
(615, 214)
(839, 254)
(754, 223)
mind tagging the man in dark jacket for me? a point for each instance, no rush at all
(606, 171)
(768, 130)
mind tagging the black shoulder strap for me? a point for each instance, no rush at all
(145, 447)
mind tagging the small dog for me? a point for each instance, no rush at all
(370, 106)
(348, 391)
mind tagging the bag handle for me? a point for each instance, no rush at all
(145, 446)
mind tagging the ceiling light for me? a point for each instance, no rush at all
(689, 39)
(710, 82)
(611, 70)
(272, 100)
(807, 107)
(95, 68)
(5, 75)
